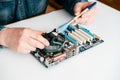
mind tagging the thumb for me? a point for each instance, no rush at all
(77, 9)
(80, 6)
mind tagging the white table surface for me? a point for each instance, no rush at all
(99, 63)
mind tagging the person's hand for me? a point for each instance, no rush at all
(23, 40)
(86, 18)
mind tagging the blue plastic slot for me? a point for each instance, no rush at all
(71, 28)
(70, 39)
(87, 31)
(62, 28)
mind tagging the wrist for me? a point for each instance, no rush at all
(2, 33)
(1, 28)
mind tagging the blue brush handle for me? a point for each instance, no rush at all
(92, 5)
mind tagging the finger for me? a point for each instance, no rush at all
(90, 12)
(25, 51)
(25, 48)
(86, 4)
(80, 6)
(36, 43)
(91, 19)
(37, 36)
(36, 32)
(81, 20)
(77, 9)
(40, 39)
(88, 16)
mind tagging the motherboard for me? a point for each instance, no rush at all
(66, 41)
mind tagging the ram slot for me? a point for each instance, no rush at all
(76, 38)
(79, 36)
(83, 35)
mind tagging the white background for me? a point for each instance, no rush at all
(99, 63)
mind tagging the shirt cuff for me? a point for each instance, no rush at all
(92, 0)
(1, 27)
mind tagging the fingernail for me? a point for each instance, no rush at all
(47, 43)
(77, 13)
